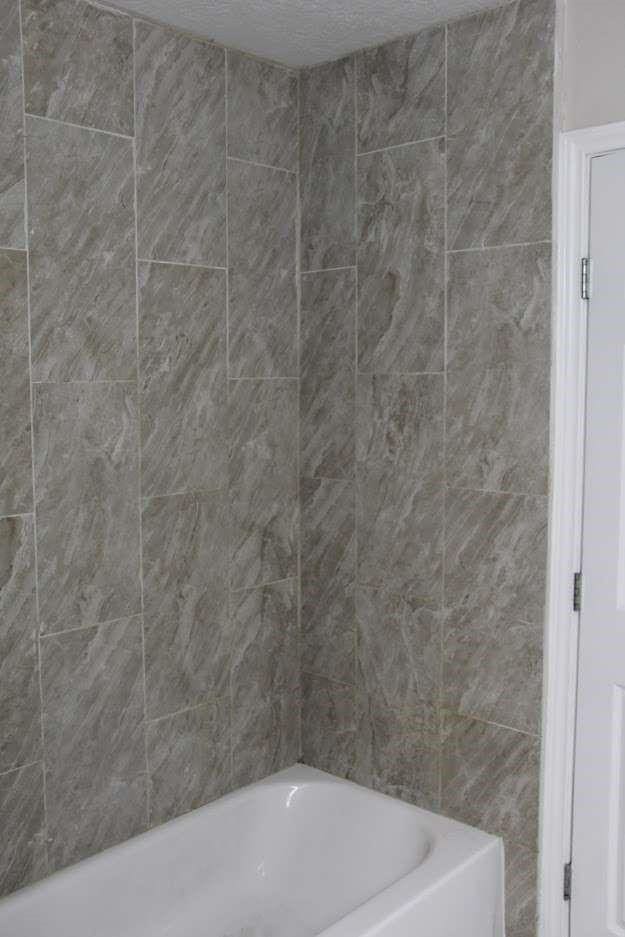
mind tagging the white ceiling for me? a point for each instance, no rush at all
(302, 32)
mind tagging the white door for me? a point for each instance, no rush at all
(598, 887)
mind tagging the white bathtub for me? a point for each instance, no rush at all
(297, 855)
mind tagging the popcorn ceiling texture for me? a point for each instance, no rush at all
(303, 32)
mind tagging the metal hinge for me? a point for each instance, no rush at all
(577, 592)
(585, 278)
(568, 875)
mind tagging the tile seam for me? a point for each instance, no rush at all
(179, 263)
(253, 162)
(441, 664)
(69, 123)
(229, 577)
(298, 438)
(87, 627)
(397, 146)
(498, 247)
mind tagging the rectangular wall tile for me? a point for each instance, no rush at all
(401, 258)
(16, 489)
(401, 90)
(20, 723)
(189, 760)
(78, 64)
(81, 237)
(327, 361)
(12, 188)
(521, 891)
(328, 570)
(399, 452)
(490, 778)
(182, 349)
(498, 360)
(265, 642)
(22, 846)
(262, 111)
(500, 125)
(92, 681)
(86, 471)
(265, 736)
(181, 147)
(185, 599)
(329, 725)
(262, 276)
(327, 148)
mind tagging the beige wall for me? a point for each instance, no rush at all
(594, 62)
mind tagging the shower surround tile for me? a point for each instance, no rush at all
(180, 118)
(262, 204)
(328, 570)
(401, 90)
(262, 111)
(81, 238)
(522, 880)
(187, 646)
(189, 760)
(327, 361)
(92, 684)
(12, 187)
(20, 726)
(22, 847)
(183, 389)
(327, 181)
(265, 736)
(329, 725)
(16, 489)
(86, 477)
(498, 369)
(401, 258)
(78, 64)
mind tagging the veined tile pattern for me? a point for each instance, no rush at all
(22, 847)
(12, 188)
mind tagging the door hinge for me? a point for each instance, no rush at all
(568, 875)
(577, 592)
(585, 278)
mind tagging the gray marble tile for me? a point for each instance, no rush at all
(493, 668)
(401, 258)
(78, 64)
(490, 778)
(263, 532)
(265, 642)
(399, 449)
(86, 471)
(16, 489)
(182, 363)
(498, 368)
(81, 236)
(327, 182)
(496, 552)
(329, 725)
(262, 276)
(20, 725)
(94, 736)
(262, 431)
(401, 90)
(22, 846)
(516, 40)
(521, 887)
(189, 760)
(397, 751)
(327, 361)
(12, 189)
(181, 147)
(499, 178)
(328, 570)
(399, 649)
(265, 736)
(186, 600)
(262, 111)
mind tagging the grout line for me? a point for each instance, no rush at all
(65, 383)
(235, 380)
(298, 437)
(183, 493)
(497, 247)
(8, 517)
(28, 764)
(263, 585)
(496, 491)
(89, 625)
(441, 672)
(16, 250)
(447, 711)
(400, 373)
(32, 458)
(209, 701)
(397, 146)
(253, 162)
(306, 273)
(356, 310)
(148, 805)
(69, 123)
(178, 263)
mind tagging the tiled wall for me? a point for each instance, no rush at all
(425, 177)
(149, 642)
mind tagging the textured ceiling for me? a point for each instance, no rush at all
(302, 32)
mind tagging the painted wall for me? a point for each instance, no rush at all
(149, 653)
(426, 190)
(593, 63)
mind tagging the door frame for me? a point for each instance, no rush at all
(568, 390)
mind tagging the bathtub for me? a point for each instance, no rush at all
(298, 854)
